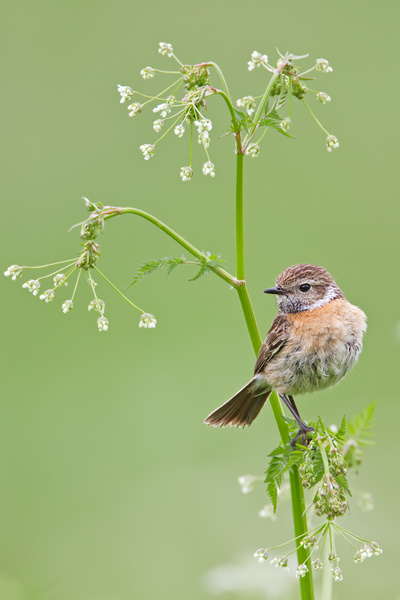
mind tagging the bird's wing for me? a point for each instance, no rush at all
(276, 339)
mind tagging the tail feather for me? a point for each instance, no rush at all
(242, 409)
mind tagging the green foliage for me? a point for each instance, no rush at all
(282, 459)
(169, 264)
(360, 427)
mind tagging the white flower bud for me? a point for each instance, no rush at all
(147, 321)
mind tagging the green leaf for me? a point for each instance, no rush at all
(340, 435)
(273, 493)
(342, 481)
(359, 428)
(152, 266)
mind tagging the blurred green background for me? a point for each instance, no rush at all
(111, 486)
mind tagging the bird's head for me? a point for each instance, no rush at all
(304, 287)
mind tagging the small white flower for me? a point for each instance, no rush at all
(322, 97)
(47, 296)
(33, 285)
(14, 272)
(102, 324)
(257, 60)
(280, 562)
(179, 130)
(301, 571)
(323, 65)
(376, 550)
(261, 555)
(317, 564)
(148, 151)
(360, 556)
(186, 173)
(248, 103)
(125, 91)
(286, 124)
(147, 73)
(157, 125)
(67, 306)
(246, 483)
(253, 150)
(204, 138)
(203, 125)
(209, 169)
(166, 49)
(135, 109)
(268, 513)
(310, 542)
(163, 108)
(147, 321)
(337, 574)
(98, 305)
(59, 280)
(331, 142)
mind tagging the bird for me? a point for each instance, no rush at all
(314, 340)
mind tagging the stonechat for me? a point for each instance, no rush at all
(314, 340)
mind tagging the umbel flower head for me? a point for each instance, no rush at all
(85, 263)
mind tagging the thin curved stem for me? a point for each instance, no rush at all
(113, 211)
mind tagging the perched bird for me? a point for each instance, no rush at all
(314, 340)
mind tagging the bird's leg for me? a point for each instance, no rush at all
(304, 429)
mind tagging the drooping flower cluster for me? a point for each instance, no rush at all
(85, 263)
(246, 483)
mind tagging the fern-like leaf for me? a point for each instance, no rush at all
(360, 427)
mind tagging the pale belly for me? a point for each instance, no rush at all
(299, 372)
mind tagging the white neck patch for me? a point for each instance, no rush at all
(331, 294)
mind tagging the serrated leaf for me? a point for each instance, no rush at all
(204, 268)
(169, 263)
(359, 427)
(273, 494)
(342, 481)
(341, 433)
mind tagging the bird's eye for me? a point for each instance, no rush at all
(305, 287)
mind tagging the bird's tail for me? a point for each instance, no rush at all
(242, 409)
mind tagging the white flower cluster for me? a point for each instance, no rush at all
(257, 60)
(157, 125)
(125, 91)
(166, 49)
(60, 280)
(67, 306)
(261, 555)
(186, 173)
(147, 321)
(246, 483)
(367, 551)
(209, 169)
(286, 124)
(322, 97)
(331, 143)
(102, 323)
(253, 150)
(310, 542)
(267, 512)
(317, 564)
(14, 272)
(147, 73)
(248, 103)
(148, 151)
(301, 571)
(280, 562)
(179, 130)
(33, 286)
(323, 65)
(163, 108)
(337, 574)
(98, 305)
(135, 109)
(203, 128)
(47, 296)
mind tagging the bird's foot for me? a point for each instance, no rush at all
(302, 433)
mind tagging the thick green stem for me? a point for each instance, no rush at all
(297, 492)
(239, 218)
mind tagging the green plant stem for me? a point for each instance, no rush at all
(113, 211)
(297, 492)
(327, 579)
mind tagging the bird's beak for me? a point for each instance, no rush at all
(275, 290)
